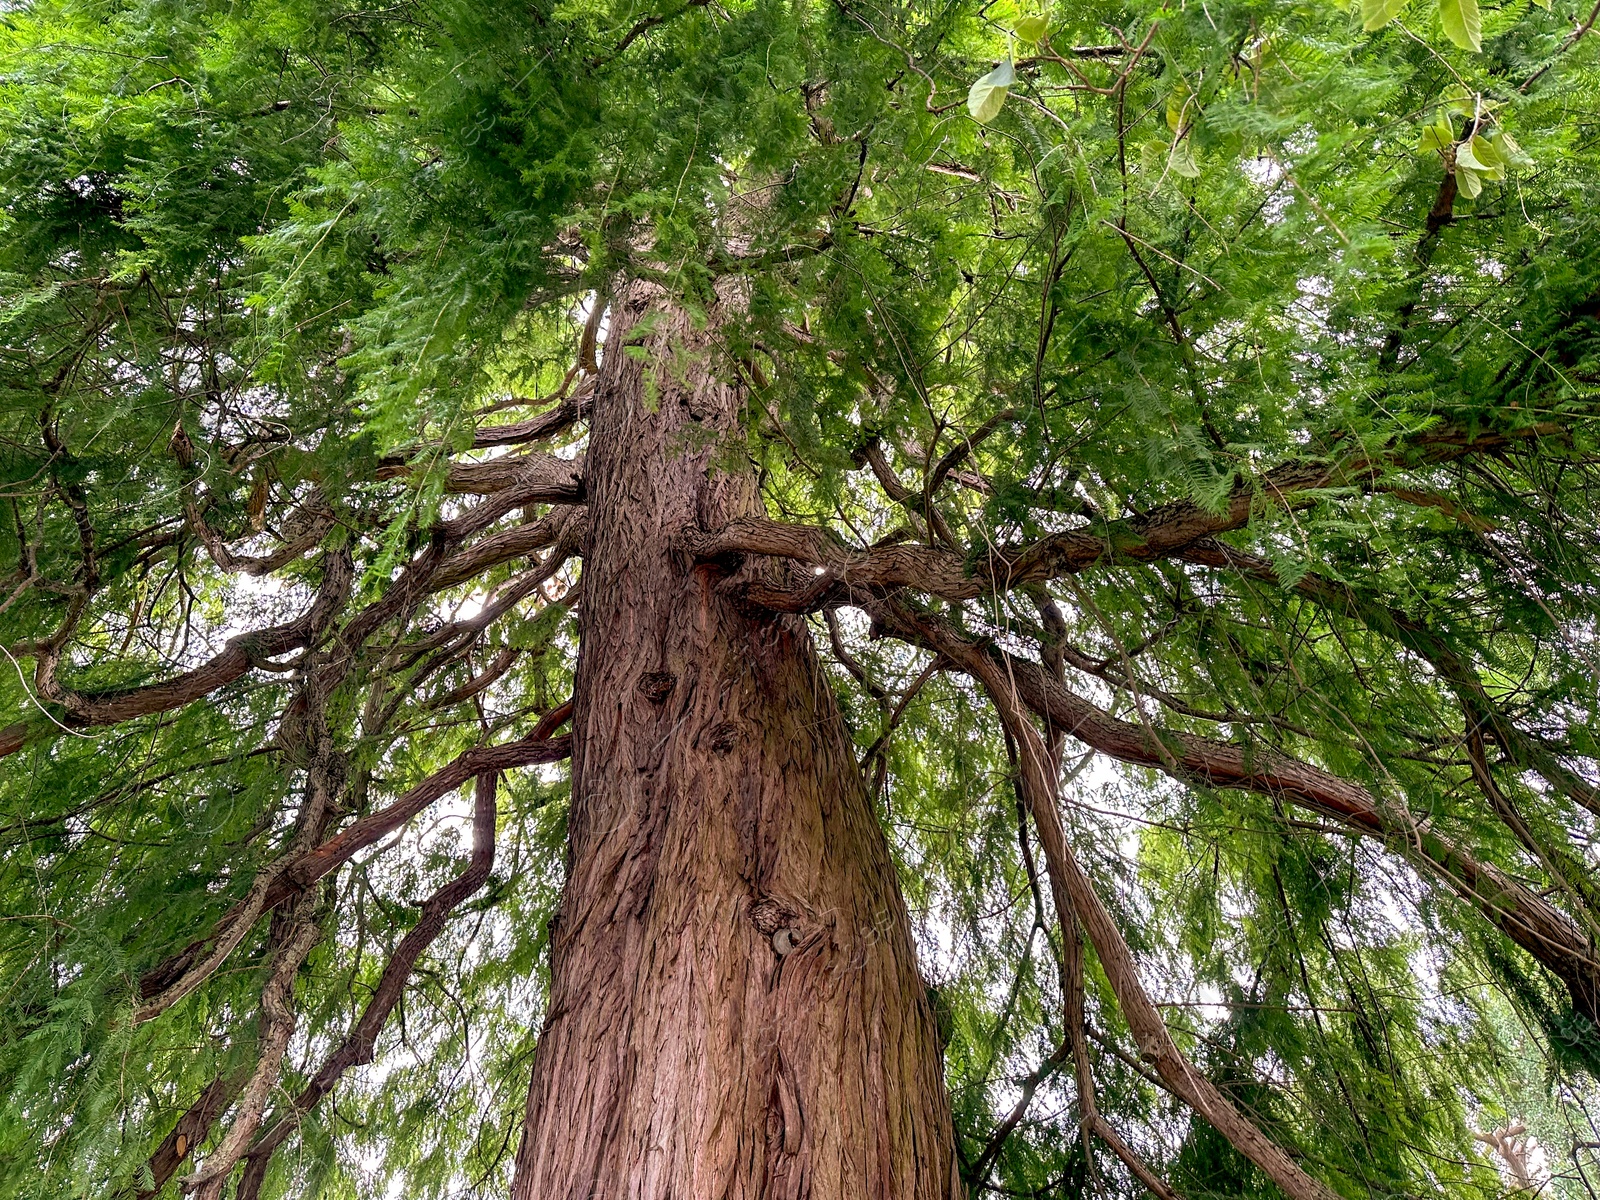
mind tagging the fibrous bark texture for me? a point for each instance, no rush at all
(735, 1009)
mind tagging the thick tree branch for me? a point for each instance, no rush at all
(1524, 916)
(1161, 533)
(300, 933)
(324, 778)
(191, 1130)
(559, 527)
(305, 529)
(1073, 893)
(538, 747)
(563, 416)
(242, 652)
(535, 478)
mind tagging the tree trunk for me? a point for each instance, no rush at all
(735, 1009)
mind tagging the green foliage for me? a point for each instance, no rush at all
(1158, 252)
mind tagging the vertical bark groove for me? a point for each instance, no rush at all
(735, 1010)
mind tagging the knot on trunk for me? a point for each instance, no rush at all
(779, 923)
(769, 916)
(656, 686)
(723, 738)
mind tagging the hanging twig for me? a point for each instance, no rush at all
(1072, 892)
(357, 1048)
(301, 931)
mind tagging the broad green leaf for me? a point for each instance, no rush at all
(1484, 151)
(1375, 14)
(1510, 153)
(1437, 137)
(988, 95)
(1033, 27)
(1480, 157)
(1153, 155)
(1177, 102)
(1469, 181)
(1462, 23)
(1476, 154)
(1181, 159)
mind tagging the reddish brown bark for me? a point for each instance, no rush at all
(735, 1009)
(190, 1130)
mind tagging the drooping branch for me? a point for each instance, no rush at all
(1528, 751)
(324, 778)
(358, 1046)
(1075, 1042)
(1074, 894)
(533, 476)
(1523, 915)
(447, 642)
(434, 568)
(1069, 966)
(1030, 1083)
(242, 652)
(1102, 1129)
(439, 566)
(1559, 863)
(301, 932)
(484, 679)
(962, 450)
(443, 563)
(892, 717)
(538, 747)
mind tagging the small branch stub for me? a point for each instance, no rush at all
(656, 686)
